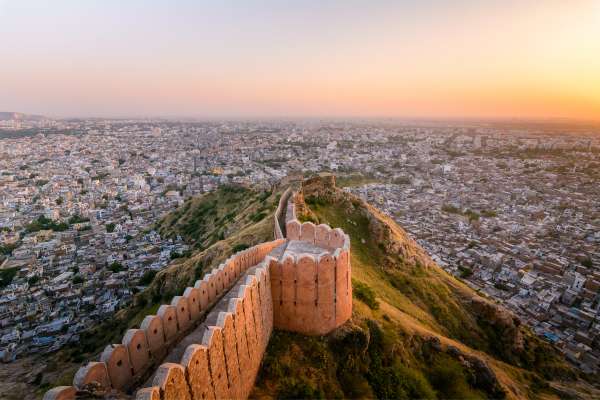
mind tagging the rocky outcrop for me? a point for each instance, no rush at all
(503, 321)
(481, 375)
(392, 239)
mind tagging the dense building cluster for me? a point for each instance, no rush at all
(511, 209)
(516, 217)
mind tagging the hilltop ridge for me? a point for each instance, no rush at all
(416, 331)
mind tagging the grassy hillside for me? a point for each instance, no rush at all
(416, 331)
(217, 224)
(203, 221)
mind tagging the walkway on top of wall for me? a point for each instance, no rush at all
(176, 353)
(297, 247)
(293, 248)
(215, 334)
(290, 212)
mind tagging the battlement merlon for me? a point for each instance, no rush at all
(299, 282)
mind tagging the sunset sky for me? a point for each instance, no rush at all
(422, 59)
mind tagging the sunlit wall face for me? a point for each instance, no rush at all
(438, 59)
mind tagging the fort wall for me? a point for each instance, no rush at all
(226, 361)
(123, 365)
(215, 333)
(312, 293)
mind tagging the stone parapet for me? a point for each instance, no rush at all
(312, 292)
(225, 362)
(208, 342)
(126, 364)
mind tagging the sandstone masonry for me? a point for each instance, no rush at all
(208, 343)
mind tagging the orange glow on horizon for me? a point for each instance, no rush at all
(500, 59)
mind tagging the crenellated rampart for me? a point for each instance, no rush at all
(208, 342)
(225, 361)
(311, 281)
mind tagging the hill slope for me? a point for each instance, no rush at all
(416, 331)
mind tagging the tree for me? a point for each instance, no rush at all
(43, 223)
(6, 250)
(465, 272)
(115, 267)
(7, 275)
(76, 219)
(33, 280)
(110, 227)
(147, 278)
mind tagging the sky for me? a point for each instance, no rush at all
(346, 58)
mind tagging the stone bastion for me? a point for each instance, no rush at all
(208, 343)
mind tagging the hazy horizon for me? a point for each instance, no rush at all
(461, 60)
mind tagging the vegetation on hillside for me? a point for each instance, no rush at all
(202, 221)
(415, 331)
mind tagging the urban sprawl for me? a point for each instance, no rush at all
(513, 210)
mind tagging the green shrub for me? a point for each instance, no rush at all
(7, 275)
(297, 389)
(264, 196)
(465, 272)
(43, 223)
(587, 262)
(387, 376)
(239, 247)
(115, 267)
(147, 278)
(472, 215)
(259, 216)
(450, 381)
(489, 213)
(308, 218)
(7, 250)
(33, 280)
(365, 294)
(76, 219)
(448, 208)
(315, 201)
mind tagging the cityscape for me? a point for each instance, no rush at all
(300, 200)
(506, 209)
